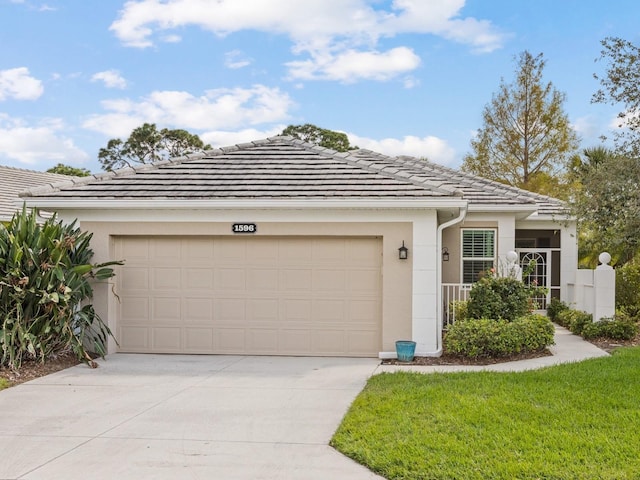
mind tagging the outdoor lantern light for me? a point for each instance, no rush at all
(445, 254)
(403, 252)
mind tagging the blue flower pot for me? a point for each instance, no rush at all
(406, 350)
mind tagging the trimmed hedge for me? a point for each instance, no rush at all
(476, 338)
(574, 320)
(622, 327)
(613, 329)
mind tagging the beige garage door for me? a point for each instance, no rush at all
(250, 295)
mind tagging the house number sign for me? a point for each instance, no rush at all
(244, 228)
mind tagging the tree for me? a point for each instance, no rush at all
(621, 84)
(148, 145)
(526, 138)
(62, 169)
(607, 204)
(320, 136)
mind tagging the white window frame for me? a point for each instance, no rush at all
(464, 259)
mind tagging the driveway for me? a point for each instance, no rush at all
(186, 417)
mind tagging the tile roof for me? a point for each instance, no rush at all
(15, 180)
(286, 168)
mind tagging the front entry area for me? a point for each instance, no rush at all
(315, 296)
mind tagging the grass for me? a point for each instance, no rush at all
(3, 384)
(574, 421)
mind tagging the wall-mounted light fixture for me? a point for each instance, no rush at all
(403, 252)
(445, 254)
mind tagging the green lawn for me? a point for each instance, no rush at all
(3, 383)
(574, 421)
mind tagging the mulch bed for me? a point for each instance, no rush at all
(31, 369)
(447, 359)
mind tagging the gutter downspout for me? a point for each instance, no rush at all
(461, 216)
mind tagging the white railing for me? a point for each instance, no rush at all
(452, 292)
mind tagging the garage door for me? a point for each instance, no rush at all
(250, 295)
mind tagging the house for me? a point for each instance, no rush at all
(15, 180)
(279, 247)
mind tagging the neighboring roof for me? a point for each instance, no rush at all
(16, 180)
(286, 168)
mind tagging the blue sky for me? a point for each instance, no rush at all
(400, 77)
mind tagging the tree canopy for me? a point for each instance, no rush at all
(606, 202)
(526, 138)
(63, 169)
(620, 84)
(147, 144)
(320, 136)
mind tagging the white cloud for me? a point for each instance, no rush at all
(236, 59)
(350, 66)
(215, 110)
(111, 79)
(226, 138)
(434, 148)
(327, 32)
(37, 145)
(18, 84)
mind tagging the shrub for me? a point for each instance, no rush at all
(45, 274)
(474, 338)
(499, 298)
(611, 328)
(555, 307)
(574, 320)
(628, 287)
(460, 309)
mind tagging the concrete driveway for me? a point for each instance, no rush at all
(183, 417)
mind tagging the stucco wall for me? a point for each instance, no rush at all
(401, 298)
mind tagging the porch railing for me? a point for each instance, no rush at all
(452, 292)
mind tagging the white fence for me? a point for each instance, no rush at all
(594, 291)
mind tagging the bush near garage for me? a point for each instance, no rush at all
(484, 337)
(45, 283)
(497, 321)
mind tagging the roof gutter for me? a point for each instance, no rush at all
(461, 216)
(242, 203)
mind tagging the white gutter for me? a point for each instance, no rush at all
(241, 203)
(439, 313)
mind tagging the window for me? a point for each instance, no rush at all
(478, 253)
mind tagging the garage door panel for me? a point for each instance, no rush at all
(263, 280)
(134, 339)
(262, 340)
(231, 340)
(261, 310)
(198, 278)
(363, 281)
(198, 340)
(229, 309)
(199, 251)
(230, 279)
(329, 280)
(166, 309)
(167, 339)
(168, 249)
(135, 278)
(198, 310)
(328, 310)
(296, 310)
(134, 309)
(250, 295)
(163, 278)
(299, 279)
(133, 249)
